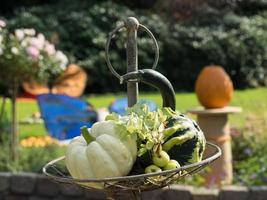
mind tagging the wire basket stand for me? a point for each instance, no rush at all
(131, 184)
(135, 184)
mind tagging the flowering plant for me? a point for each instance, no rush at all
(26, 55)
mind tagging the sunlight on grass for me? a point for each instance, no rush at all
(183, 100)
(253, 102)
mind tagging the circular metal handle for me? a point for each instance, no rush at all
(117, 29)
(156, 59)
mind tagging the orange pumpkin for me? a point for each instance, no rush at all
(72, 82)
(34, 88)
(214, 87)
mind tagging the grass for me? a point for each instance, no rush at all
(253, 102)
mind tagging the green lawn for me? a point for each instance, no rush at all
(253, 102)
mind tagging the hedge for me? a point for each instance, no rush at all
(211, 36)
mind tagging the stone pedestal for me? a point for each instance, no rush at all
(214, 123)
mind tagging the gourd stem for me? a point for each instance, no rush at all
(176, 141)
(86, 135)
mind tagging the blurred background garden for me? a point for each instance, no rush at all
(191, 34)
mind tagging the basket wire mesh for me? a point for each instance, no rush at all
(57, 171)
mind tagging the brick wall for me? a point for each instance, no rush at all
(29, 186)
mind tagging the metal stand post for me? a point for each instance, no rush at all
(132, 58)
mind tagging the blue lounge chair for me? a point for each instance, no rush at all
(63, 115)
(119, 106)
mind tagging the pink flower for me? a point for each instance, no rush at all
(41, 38)
(62, 58)
(29, 31)
(49, 48)
(37, 42)
(33, 52)
(2, 23)
(19, 34)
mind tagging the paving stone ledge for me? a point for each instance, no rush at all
(30, 186)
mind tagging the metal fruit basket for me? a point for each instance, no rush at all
(57, 171)
(131, 184)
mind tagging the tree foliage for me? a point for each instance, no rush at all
(215, 34)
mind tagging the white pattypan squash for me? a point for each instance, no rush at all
(106, 155)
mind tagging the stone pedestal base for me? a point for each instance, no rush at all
(214, 124)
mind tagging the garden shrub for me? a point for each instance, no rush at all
(82, 33)
(237, 43)
(250, 153)
(211, 36)
(31, 159)
(251, 7)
